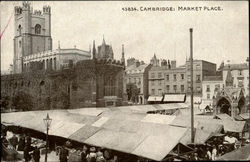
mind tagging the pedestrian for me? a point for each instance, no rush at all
(36, 154)
(92, 155)
(214, 153)
(21, 144)
(208, 154)
(63, 155)
(26, 154)
(196, 158)
(84, 154)
(14, 141)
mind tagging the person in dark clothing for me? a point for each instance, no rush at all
(83, 156)
(26, 154)
(21, 144)
(63, 155)
(14, 141)
(36, 154)
(28, 140)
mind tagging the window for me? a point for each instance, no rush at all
(167, 87)
(152, 75)
(129, 80)
(175, 88)
(208, 96)
(139, 81)
(208, 88)
(182, 76)
(167, 77)
(174, 77)
(240, 72)
(159, 75)
(189, 78)
(198, 77)
(159, 92)
(134, 80)
(152, 83)
(20, 44)
(198, 89)
(198, 66)
(38, 29)
(159, 82)
(153, 91)
(240, 84)
(182, 88)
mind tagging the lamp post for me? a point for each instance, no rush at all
(47, 122)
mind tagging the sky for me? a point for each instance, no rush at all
(217, 35)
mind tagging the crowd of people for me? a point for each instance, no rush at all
(86, 154)
(20, 143)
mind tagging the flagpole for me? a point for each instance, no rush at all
(192, 95)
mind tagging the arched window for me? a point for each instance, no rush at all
(19, 29)
(38, 29)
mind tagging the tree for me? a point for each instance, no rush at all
(132, 92)
(22, 101)
(5, 100)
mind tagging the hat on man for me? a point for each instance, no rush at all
(92, 149)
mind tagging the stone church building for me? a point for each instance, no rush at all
(57, 79)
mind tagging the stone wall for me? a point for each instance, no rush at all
(79, 86)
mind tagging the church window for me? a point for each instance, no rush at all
(20, 43)
(38, 29)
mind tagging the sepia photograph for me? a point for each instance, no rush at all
(124, 81)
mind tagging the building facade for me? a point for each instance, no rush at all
(201, 69)
(58, 79)
(210, 86)
(163, 79)
(56, 59)
(137, 73)
(240, 75)
(89, 83)
(32, 33)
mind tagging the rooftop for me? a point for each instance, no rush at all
(213, 78)
(133, 67)
(242, 66)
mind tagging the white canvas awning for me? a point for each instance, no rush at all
(154, 98)
(174, 97)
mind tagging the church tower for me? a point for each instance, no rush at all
(32, 33)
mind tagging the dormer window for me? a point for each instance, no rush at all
(38, 29)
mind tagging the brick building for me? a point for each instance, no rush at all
(201, 69)
(166, 79)
(210, 86)
(137, 72)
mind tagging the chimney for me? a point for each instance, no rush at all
(173, 63)
(137, 63)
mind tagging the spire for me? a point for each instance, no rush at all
(123, 58)
(90, 48)
(59, 45)
(103, 40)
(94, 50)
(229, 78)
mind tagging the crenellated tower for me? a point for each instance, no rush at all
(32, 33)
